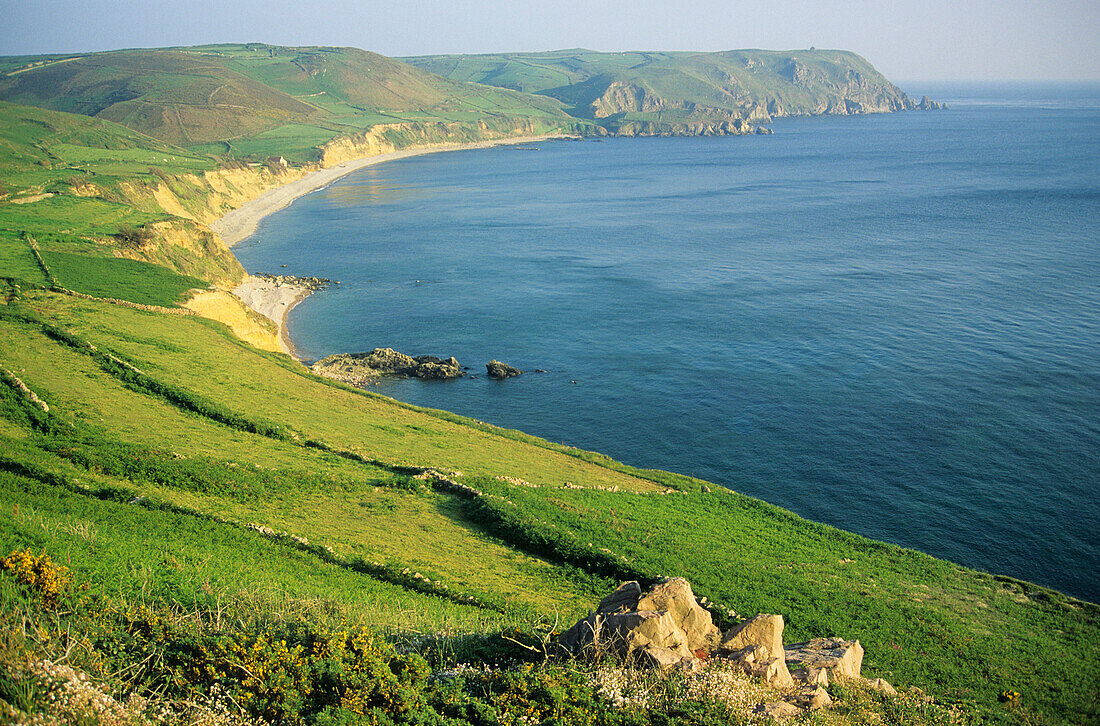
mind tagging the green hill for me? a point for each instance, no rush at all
(648, 92)
(254, 100)
(243, 534)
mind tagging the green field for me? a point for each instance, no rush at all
(233, 524)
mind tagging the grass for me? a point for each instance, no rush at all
(117, 277)
(131, 553)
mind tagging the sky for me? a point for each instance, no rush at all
(927, 40)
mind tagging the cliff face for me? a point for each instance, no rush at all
(186, 243)
(387, 138)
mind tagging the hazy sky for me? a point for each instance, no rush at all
(905, 39)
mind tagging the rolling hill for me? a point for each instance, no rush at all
(253, 100)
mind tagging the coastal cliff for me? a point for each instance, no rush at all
(697, 94)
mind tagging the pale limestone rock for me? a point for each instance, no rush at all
(812, 677)
(765, 630)
(675, 596)
(880, 684)
(663, 627)
(758, 662)
(758, 646)
(841, 658)
(630, 632)
(624, 599)
(773, 672)
(812, 699)
(661, 658)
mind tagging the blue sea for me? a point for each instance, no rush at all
(888, 323)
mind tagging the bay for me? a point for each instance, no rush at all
(887, 323)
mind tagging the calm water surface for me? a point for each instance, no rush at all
(887, 323)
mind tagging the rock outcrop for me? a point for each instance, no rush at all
(837, 658)
(664, 627)
(667, 628)
(757, 646)
(496, 369)
(363, 368)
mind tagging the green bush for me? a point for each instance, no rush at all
(130, 236)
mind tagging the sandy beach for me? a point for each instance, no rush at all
(273, 300)
(241, 222)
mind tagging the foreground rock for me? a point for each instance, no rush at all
(667, 628)
(499, 370)
(363, 368)
(836, 658)
(756, 645)
(664, 627)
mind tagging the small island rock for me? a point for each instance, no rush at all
(498, 370)
(363, 368)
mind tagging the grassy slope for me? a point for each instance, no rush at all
(923, 621)
(255, 100)
(214, 426)
(52, 160)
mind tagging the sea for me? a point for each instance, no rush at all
(888, 323)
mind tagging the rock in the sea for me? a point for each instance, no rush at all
(496, 369)
(428, 367)
(386, 360)
(927, 104)
(360, 368)
(840, 658)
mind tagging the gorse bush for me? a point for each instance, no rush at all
(47, 580)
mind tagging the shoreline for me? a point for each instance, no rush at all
(274, 300)
(241, 223)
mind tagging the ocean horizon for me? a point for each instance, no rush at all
(887, 323)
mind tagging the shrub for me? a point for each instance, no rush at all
(40, 574)
(132, 236)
